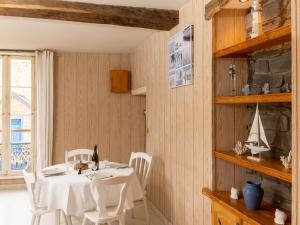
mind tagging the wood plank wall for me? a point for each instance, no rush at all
(229, 30)
(86, 113)
(295, 111)
(179, 122)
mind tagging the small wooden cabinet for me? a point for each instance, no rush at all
(119, 81)
(222, 216)
(226, 211)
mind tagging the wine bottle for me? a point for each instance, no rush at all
(95, 158)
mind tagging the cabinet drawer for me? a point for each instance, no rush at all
(222, 216)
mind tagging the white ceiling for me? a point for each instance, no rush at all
(31, 34)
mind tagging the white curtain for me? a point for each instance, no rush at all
(44, 93)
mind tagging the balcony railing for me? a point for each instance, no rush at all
(19, 154)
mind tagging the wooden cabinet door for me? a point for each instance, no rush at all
(222, 216)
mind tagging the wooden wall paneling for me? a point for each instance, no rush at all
(295, 111)
(239, 25)
(70, 101)
(224, 128)
(228, 22)
(240, 125)
(139, 72)
(188, 137)
(58, 112)
(80, 98)
(151, 112)
(162, 149)
(167, 136)
(182, 124)
(115, 116)
(207, 158)
(198, 85)
(127, 105)
(156, 115)
(104, 109)
(93, 108)
(224, 23)
(86, 113)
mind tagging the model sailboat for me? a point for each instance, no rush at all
(257, 141)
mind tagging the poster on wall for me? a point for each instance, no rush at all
(181, 58)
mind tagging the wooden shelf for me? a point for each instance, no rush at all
(269, 98)
(270, 167)
(268, 39)
(263, 216)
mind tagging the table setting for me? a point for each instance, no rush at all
(63, 187)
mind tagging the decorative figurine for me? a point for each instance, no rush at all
(287, 161)
(280, 217)
(257, 141)
(266, 89)
(234, 193)
(286, 88)
(246, 89)
(239, 149)
(232, 75)
(256, 11)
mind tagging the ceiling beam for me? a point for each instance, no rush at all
(157, 19)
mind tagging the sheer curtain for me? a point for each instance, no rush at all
(44, 120)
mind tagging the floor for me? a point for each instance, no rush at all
(14, 210)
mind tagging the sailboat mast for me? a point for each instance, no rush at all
(258, 127)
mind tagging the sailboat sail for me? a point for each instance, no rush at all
(263, 134)
(257, 131)
(254, 132)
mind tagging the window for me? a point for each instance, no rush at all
(16, 113)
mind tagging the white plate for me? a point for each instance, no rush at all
(117, 165)
(52, 171)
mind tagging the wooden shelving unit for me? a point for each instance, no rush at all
(270, 167)
(270, 98)
(268, 39)
(263, 216)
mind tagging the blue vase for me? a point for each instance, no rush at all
(253, 195)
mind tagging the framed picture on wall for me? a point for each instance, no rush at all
(181, 54)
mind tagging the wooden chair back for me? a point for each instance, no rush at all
(142, 164)
(100, 186)
(79, 154)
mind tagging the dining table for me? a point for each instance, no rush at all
(73, 193)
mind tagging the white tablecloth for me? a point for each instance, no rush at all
(73, 194)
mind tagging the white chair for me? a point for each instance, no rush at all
(104, 214)
(78, 154)
(37, 211)
(142, 164)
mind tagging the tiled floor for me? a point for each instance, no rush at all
(14, 210)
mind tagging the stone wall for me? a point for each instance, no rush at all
(273, 66)
(275, 13)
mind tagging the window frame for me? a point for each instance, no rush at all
(6, 108)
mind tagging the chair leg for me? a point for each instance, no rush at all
(38, 220)
(69, 220)
(146, 211)
(131, 213)
(57, 217)
(122, 220)
(84, 220)
(33, 219)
